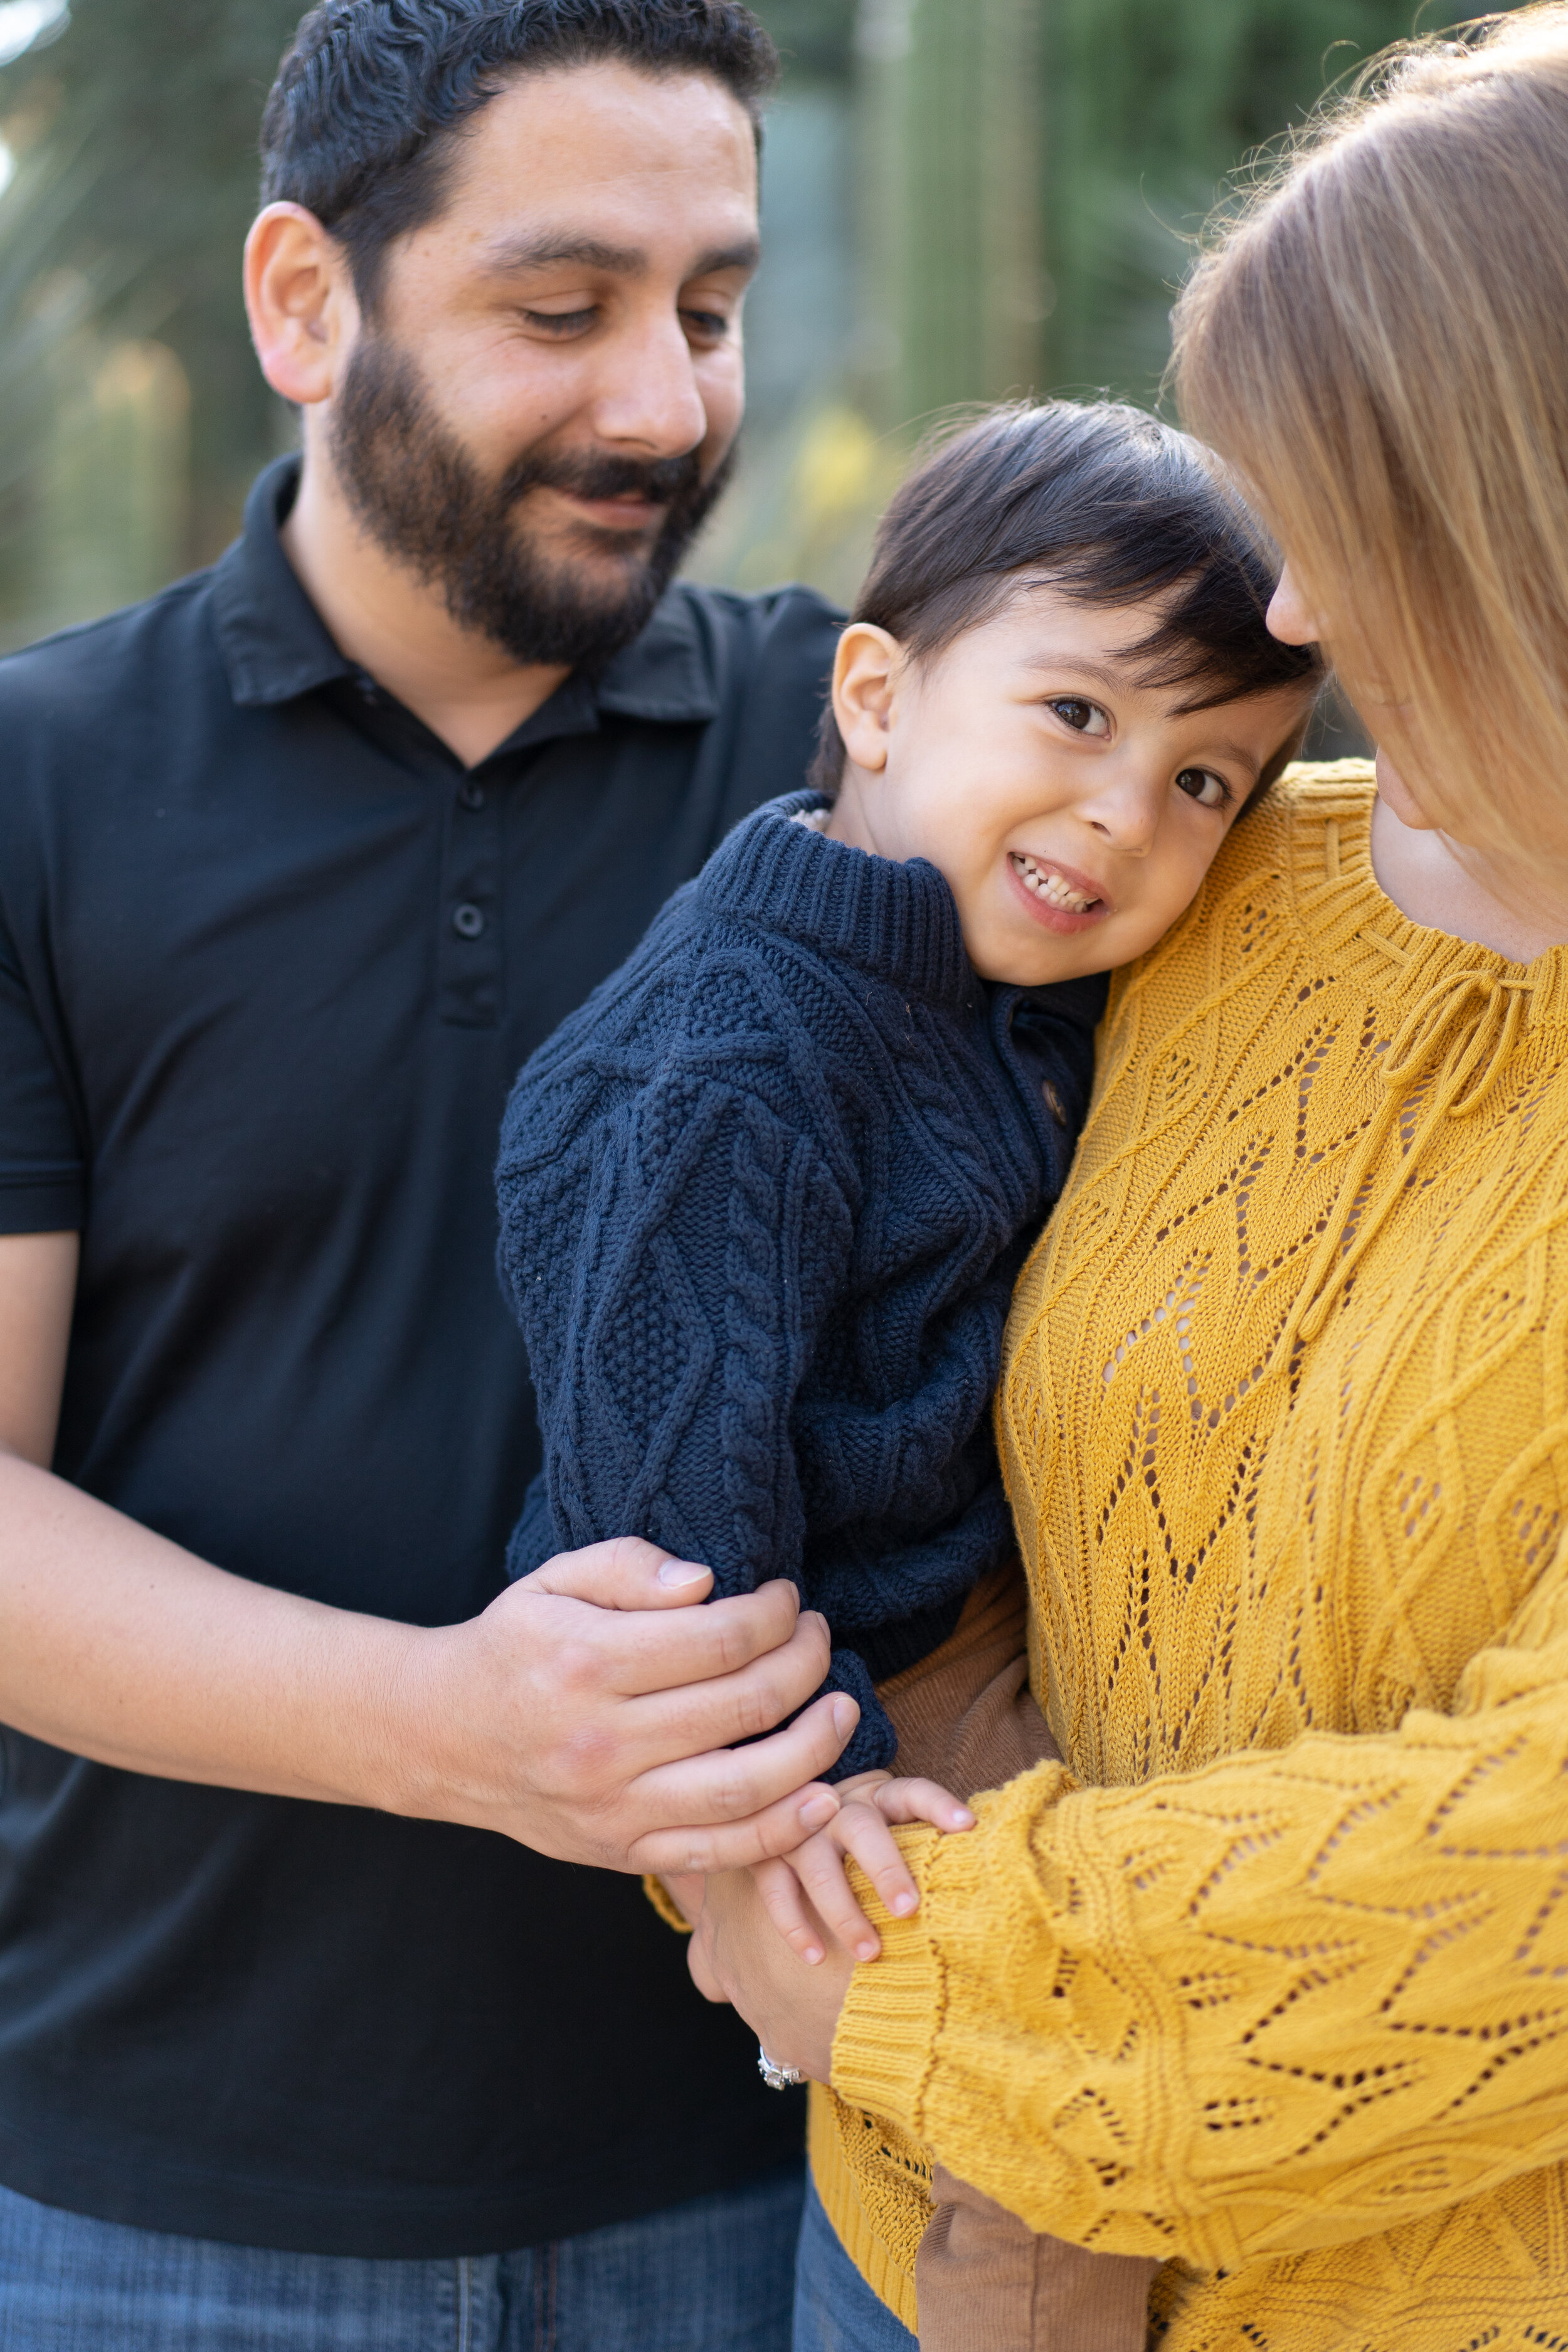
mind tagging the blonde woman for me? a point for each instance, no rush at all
(1270, 1981)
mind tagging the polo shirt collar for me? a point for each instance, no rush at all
(272, 640)
(666, 674)
(275, 646)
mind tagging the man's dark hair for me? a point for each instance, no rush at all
(1105, 503)
(361, 122)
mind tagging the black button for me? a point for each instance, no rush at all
(467, 920)
(1054, 1102)
(472, 795)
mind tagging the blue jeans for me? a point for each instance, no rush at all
(711, 2277)
(835, 2310)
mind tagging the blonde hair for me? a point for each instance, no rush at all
(1377, 341)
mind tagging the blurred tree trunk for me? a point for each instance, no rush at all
(950, 201)
(108, 520)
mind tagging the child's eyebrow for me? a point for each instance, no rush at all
(1236, 752)
(1116, 679)
(1080, 665)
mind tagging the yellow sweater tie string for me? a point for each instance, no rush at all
(1477, 1056)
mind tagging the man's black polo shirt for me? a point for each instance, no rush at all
(270, 958)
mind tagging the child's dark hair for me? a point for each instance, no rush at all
(1111, 507)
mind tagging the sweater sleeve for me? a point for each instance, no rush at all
(671, 1320)
(1295, 1998)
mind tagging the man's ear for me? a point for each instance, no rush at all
(300, 299)
(864, 676)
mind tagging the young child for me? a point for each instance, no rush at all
(763, 1197)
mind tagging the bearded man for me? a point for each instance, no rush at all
(313, 2032)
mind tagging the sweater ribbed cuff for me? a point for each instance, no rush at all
(882, 2049)
(664, 1903)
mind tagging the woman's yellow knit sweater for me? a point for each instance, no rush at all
(1273, 1980)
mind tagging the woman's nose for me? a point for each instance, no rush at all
(1289, 617)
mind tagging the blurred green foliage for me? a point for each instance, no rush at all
(815, 38)
(1150, 105)
(159, 100)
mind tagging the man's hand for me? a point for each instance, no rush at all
(737, 1954)
(592, 1712)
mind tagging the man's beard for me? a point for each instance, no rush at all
(418, 493)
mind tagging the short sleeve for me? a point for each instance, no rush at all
(42, 1189)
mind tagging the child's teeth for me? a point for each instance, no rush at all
(1051, 887)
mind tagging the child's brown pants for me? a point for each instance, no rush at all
(984, 2282)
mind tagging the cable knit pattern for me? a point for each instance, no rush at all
(763, 1201)
(1273, 1980)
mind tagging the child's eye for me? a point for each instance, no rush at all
(1204, 786)
(1084, 717)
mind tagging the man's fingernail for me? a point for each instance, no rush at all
(963, 1819)
(904, 1904)
(680, 1571)
(818, 1812)
(846, 1716)
(866, 1949)
(812, 1955)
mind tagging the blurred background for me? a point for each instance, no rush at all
(962, 199)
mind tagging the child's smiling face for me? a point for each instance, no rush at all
(1072, 807)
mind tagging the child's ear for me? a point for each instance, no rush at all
(863, 675)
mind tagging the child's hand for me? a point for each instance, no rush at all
(807, 1893)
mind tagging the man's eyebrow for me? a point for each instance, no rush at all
(548, 249)
(744, 254)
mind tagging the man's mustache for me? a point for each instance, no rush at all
(662, 481)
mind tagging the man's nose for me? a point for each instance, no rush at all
(648, 401)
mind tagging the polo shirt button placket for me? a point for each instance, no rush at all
(469, 958)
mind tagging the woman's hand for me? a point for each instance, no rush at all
(736, 1954)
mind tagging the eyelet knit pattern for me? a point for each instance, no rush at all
(1274, 1979)
(763, 1201)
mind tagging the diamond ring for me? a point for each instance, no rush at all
(776, 2077)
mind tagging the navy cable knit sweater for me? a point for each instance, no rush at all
(763, 1200)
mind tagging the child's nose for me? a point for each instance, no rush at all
(1126, 815)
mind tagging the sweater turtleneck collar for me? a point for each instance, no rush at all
(898, 922)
